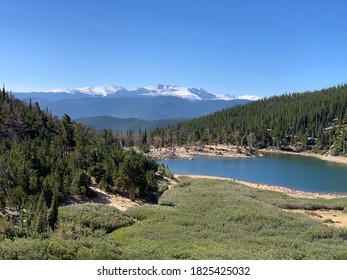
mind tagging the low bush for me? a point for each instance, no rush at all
(94, 216)
(57, 249)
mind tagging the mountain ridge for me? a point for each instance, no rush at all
(154, 108)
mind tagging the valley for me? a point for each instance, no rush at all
(102, 195)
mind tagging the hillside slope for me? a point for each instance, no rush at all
(44, 160)
(306, 121)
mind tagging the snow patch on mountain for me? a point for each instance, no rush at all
(95, 91)
(169, 90)
(249, 97)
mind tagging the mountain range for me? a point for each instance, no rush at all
(149, 91)
(151, 103)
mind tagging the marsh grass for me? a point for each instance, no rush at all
(215, 219)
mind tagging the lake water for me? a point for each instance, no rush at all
(291, 171)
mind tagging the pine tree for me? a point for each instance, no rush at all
(53, 212)
(40, 218)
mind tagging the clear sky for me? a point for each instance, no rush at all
(261, 47)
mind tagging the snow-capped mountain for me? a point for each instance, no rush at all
(154, 90)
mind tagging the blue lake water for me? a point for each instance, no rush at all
(291, 171)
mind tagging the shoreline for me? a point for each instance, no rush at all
(230, 151)
(288, 191)
(330, 158)
(188, 152)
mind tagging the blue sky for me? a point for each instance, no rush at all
(239, 47)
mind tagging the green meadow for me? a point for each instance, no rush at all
(195, 219)
(216, 219)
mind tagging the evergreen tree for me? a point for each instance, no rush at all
(40, 219)
(44, 159)
(53, 212)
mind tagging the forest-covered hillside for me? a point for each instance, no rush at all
(299, 121)
(44, 160)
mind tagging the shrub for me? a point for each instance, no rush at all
(164, 171)
(57, 249)
(162, 188)
(183, 184)
(94, 216)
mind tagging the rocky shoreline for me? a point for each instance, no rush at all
(188, 152)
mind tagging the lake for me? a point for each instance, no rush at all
(291, 171)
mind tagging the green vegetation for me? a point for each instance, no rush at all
(308, 121)
(80, 234)
(44, 161)
(93, 216)
(196, 219)
(214, 219)
(164, 171)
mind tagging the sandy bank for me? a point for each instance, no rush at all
(101, 197)
(330, 217)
